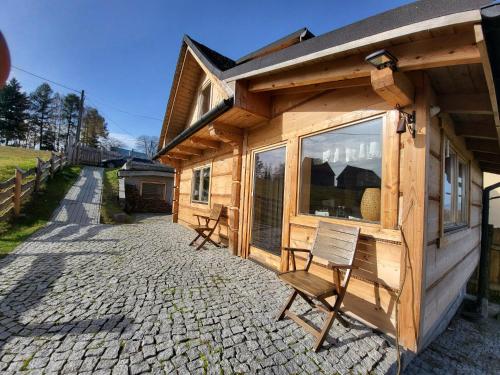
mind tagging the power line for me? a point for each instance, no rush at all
(79, 91)
(46, 79)
(126, 112)
(111, 120)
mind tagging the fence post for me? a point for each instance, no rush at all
(17, 192)
(51, 165)
(38, 174)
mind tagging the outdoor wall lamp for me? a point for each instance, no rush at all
(382, 59)
(406, 121)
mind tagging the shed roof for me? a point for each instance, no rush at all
(138, 166)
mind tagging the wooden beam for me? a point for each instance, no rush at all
(478, 130)
(207, 143)
(488, 74)
(256, 104)
(318, 87)
(174, 155)
(489, 158)
(448, 50)
(489, 167)
(394, 87)
(226, 133)
(478, 104)
(188, 150)
(483, 145)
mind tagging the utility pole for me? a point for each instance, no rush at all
(80, 115)
(75, 152)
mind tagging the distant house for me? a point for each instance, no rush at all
(129, 153)
(307, 97)
(146, 187)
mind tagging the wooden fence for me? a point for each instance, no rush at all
(82, 154)
(19, 188)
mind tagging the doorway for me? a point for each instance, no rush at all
(267, 206)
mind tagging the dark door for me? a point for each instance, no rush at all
(267, 207)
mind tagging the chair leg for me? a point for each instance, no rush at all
(195, 239)
(205, 239)
(287, 305)
(307, 299)
(324, 331)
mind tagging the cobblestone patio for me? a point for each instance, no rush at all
(135, 298)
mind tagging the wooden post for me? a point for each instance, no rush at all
(414, 217)
(38, 175)
(177, 182)
(52, 170)
(234, 210)
(17, 192)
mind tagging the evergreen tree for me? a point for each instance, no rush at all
(41, 109)
(14, 105)
(70, 111)
(94, 127)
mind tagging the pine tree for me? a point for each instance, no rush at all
(94, 127)
(41, 109)
(14, 105)
(71, 106)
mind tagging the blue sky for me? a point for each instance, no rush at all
(123, 52)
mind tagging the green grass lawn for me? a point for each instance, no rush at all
(24, 158)
(110, 203)
(38, 210)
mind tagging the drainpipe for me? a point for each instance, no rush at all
(484, 261)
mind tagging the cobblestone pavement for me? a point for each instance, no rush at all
(464, 348)
(82, 203)
(135, 298)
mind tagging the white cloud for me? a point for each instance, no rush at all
(127, 139)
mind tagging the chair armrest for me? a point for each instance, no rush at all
(203, 216)
(299, 250)
(344, 266)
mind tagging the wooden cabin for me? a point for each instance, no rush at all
(307, 129)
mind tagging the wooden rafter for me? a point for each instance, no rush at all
(447, 50)
(355, 82)
(466, 103)
(226, 133)
(488, 158)
(175, 155)
(471, 130)
(485, 61)
(207, 143)
(188, 150)
(483, 145)
(394, 87)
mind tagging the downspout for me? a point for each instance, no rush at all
(484, 261)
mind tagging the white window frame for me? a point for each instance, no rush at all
(200, 184)
(456, 223)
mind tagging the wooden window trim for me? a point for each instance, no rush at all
(201, 168)
(339, 220)
(460, 157)
(204, 85)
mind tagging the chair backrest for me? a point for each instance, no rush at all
(216, 211)
(336, 244)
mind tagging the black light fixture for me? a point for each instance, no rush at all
(382, 59)
(406, 121)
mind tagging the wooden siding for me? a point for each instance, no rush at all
(450, 258)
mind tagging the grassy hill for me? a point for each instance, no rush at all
(24, 158)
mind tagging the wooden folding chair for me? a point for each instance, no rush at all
(204, 230)
(337, 245)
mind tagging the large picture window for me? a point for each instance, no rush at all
(455, 182)
(340, 172)
(201, 185)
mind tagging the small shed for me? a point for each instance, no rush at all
(146, 187)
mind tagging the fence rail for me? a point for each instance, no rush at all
(83, 154)
(19, 188)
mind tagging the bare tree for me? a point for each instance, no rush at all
(111, 142)
(147, 144)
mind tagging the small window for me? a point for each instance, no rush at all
(340, 172)
(455, 182)
(201, 185)
(204, 103)
(153, 191)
